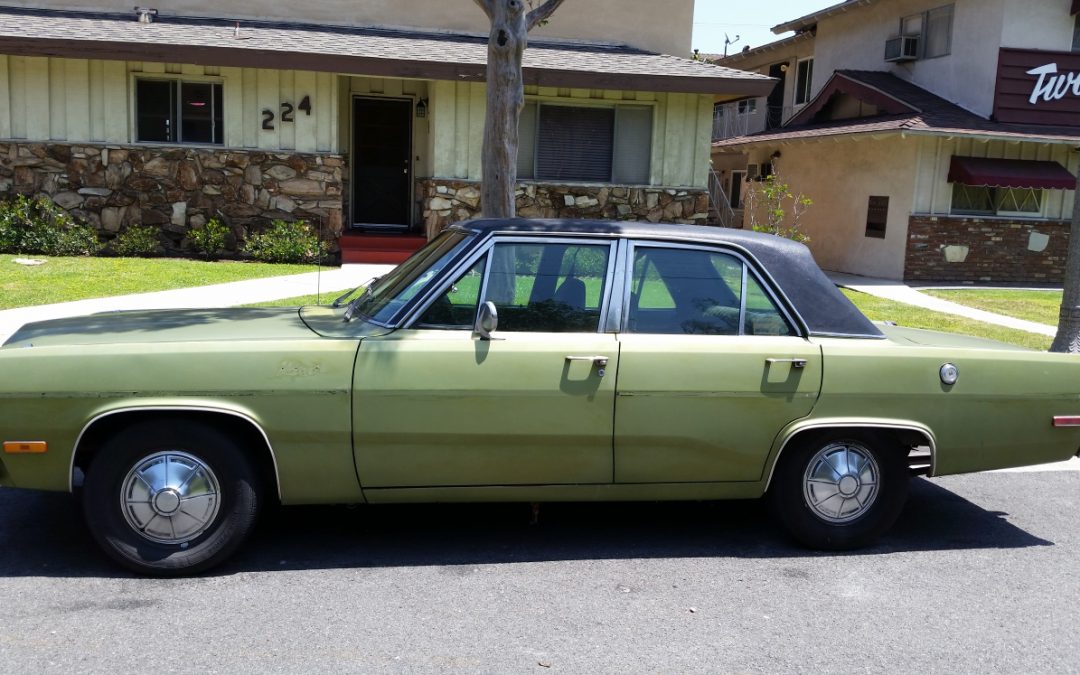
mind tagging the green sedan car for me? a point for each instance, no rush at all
(521, 360)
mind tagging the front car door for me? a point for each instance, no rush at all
(435, 405)
(711, 368)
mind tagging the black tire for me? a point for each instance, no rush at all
(226, 512)
(840, 522)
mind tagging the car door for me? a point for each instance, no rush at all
(711, 368)
(437, 405)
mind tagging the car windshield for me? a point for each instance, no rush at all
(389, 293)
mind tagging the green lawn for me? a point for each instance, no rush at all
(880, 309)
(1038, 306)
(67, 279)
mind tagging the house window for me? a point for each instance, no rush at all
(748, 106)
(173, 111)
(804, 79)
(877, 215)
(1076, 34)
(933, 30)
(983, 200)
(585, 144)
(912, 25)
(938, 40)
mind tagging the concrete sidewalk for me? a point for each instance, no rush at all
(332, 282)
(901, 292)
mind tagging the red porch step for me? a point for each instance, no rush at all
(372, 248)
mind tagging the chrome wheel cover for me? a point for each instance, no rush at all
(170, 497)
(841, 482)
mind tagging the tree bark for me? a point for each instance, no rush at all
(1068, 332)
(505, 98)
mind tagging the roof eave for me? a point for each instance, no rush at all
(374, 67)
(943, 133)
(811, 20)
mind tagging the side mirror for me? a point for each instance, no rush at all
(487, 320)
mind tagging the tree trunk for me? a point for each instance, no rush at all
(505, 99)
(1068, 332)
(510, 26)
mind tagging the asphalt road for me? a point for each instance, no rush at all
(981, 574)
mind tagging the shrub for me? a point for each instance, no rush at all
(39, 226)
(285, 242)
(210, 238)
(137, 240)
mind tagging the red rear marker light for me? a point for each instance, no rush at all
(1067, 420)
(25, 447)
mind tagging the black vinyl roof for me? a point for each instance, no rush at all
(820, 305)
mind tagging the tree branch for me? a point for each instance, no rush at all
(541, 13)
(487, 6)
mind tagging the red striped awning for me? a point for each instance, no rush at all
(1013, 173)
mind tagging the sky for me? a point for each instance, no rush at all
(748, 19)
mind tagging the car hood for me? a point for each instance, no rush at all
(933, 338)
(186, 325)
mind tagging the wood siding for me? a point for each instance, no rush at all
(90, 101)
(682, 129)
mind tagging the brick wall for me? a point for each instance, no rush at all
(971, 249)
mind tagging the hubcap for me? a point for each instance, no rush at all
(170, 497)
(841, 482)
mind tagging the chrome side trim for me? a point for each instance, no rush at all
(178, 408)
(853, 424)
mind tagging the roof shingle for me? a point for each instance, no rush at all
(930, 114)
(356, 50)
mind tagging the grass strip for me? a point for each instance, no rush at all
(880, 309)
(79, 278)
(1038, 306)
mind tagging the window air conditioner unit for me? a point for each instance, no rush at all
(902, 48)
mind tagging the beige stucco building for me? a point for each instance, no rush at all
(355, 116)
(915, 127)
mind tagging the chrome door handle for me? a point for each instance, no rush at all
(599, 361)
(795, 363)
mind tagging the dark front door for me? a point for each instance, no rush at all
(774, 105)
(381, 166)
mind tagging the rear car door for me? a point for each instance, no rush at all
(711, 367)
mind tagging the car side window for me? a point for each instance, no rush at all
(456, 308)
(697, 292)
(548, 287)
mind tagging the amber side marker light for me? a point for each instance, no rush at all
(25, 447)
(1067, 420)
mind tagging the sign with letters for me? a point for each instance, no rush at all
(1038, 87)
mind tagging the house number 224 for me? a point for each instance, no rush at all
(287, 113)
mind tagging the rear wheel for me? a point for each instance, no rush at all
(840, 491)
(168, 499)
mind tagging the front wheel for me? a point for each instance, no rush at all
(841, 491)
(167, 499)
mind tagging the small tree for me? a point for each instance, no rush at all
(775, 209)
(1068, 332)
(510, 25)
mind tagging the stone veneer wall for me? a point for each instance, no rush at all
(447, 201)
(972, 249)
(178, 189)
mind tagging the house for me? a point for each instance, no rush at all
(938, 140)
(358, 117)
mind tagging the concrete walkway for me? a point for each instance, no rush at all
(901, 292)
(331, 281)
